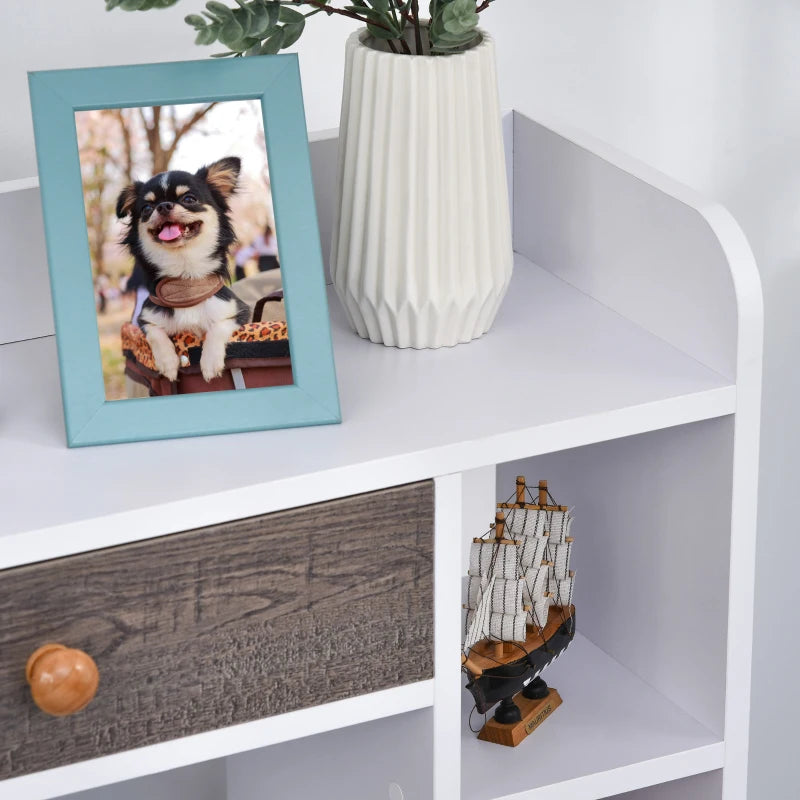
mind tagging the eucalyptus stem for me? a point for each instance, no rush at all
(322, 6)
(394, 14)
(404, 14)
(417, 30)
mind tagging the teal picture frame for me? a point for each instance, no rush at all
(91, 419)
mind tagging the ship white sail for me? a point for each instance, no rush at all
(536, 584)
(559, 554)
(532, 551)
(526, 522)
(539, 613)
(497, 563)
(503, 627)
(538, 581)
(508, 627)
(500, 560)
(517, 576)
(507, 596)
(478, 623)
(558, 525)
(562, 591)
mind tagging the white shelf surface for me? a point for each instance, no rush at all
(612, 734)
(558, 370)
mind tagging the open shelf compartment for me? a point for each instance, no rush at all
(612, 732)
(643, 682)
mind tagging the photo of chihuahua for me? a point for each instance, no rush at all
(179, 231)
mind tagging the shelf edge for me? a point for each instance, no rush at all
(96, 533)
(630, 777)
(218, 743)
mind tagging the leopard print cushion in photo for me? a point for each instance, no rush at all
(134, 343)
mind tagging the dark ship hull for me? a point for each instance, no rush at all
(508, 679)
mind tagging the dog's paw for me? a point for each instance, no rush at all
(212, 359)
(167, 363)
(212, 365)
(163, 350)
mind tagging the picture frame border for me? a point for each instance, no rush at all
(89, 418)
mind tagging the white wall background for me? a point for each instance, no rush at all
(708, 91)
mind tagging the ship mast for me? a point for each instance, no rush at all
(520, 490)
(499, 525)
(499, 528)
(542, 492)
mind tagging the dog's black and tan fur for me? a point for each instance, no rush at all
(180, 228)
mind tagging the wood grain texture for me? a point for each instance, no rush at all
(222, 625)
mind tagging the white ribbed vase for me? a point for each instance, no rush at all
(421, 253)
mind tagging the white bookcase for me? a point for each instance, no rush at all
(624, 367)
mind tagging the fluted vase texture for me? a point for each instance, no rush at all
(421, 253)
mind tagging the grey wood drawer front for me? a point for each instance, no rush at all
(222, 625)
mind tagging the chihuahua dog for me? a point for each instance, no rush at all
(180, 232)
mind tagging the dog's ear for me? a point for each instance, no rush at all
(127, 199)
(222, 175)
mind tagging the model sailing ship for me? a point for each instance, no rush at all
(519, 612)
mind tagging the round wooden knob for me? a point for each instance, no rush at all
(62, 680)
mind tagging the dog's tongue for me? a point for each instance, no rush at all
(169, 232)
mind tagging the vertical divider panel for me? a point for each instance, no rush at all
(479, 497)
(744, 515)
(447, 638)
(637, 241)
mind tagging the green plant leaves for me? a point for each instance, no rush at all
(259, 27)
(460, 17)
(254, 27)
(206, 36)
(138, 5)
(273, 43)
(261, 20)
(289, 15)
(453, 24)
(383, 21)
(292, 32)
(231, 33)
(294, 25)
(219, 10)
